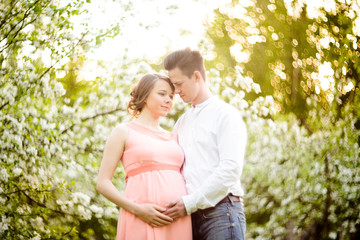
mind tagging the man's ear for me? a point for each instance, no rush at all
(197, 75)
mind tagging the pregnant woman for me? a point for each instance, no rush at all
(152, 160)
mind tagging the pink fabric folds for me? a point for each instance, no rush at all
(152, 160)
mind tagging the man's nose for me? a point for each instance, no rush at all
(177, 90)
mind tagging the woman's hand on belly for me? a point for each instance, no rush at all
(152, 214)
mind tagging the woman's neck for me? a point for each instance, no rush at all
(148, 121)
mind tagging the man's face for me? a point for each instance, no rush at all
(184, 86)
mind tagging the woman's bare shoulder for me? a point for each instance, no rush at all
(120, 131)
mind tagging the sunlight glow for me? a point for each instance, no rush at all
(348, 87)
(240, 56)
(312, 7)
(149, 28)
(324, 80)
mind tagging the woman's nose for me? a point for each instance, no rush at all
(168, 99)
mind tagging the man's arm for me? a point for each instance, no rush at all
(231, 142)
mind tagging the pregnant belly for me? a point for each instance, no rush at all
(158, 187)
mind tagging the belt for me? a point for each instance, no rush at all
(152, 167)
(230, 198)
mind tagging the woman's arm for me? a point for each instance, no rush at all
(114, 149)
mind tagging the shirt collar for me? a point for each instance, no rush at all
(204, 103)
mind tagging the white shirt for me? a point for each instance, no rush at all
(213, 137)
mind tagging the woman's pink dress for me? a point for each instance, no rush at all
(152, 161)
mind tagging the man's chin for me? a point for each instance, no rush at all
(186, 100)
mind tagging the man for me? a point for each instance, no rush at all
(213, 137)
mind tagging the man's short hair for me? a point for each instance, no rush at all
(187, 60)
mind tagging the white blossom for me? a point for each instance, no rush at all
(85, 213)
(67, 110)
(43, 124)
(36, 237)
(4, 224)
(256, 88)
(17, 140)
(245, 83)
(17, 171)
(38, 221)
(244, 104)
(97, 210)
(20, 210)
(332, 235)
(32, 150)
(264, 111)
(59, 89)
(9, 93)
(4, 175)
(111, 212)
(81, 198)
(41, 172)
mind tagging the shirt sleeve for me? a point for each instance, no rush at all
(231, 137)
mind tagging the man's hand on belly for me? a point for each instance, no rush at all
(175, 209)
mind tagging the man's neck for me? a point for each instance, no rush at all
(202, 97)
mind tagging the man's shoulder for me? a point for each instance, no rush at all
(182, 116)
(223, 107)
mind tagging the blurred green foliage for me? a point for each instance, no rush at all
(283, 52)
(301, 173)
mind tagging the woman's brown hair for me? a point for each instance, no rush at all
(141, 91)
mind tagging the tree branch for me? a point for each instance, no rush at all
(28, 189)
(1, 107)
(92, 117)
(304, 123)
(8, 15)
(44, 206)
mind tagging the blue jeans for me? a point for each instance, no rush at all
(222, 222)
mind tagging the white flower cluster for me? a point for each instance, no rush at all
(263, 106)
(81, 198)
(17, 171)
(4, 175)
(98, 211)
(52, 88)
(36, 237)
(4, 224)
(245, 83)
(84, 212)
(79, 204)
(8, 93)
(82, 201)
(59, 89)
(32, 151)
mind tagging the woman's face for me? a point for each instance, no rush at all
(160, 99)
